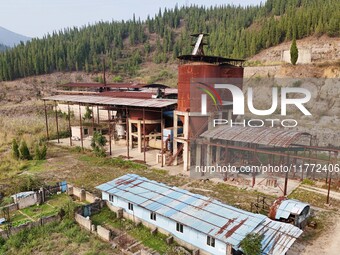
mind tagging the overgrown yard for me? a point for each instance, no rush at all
(140, 233)
(65, 238)
(33, 213)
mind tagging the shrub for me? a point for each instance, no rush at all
(97, 143)
(251, 244)
(24, 151)
(294, 52)
(117, 78)
(15, 149)
(40, 153)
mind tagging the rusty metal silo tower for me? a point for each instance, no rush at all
(199, 66)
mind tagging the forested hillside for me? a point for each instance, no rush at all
(2, 47)
(234, 32)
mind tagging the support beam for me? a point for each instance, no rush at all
(127, 136)
(56, 120)
(329, 187)
(130, 134)
(69, 123)
(185, 156)
(81, 128)
(98, 120)
(110, 137)
(139, 138)
(46, 122)
(174, 146)
(92, 118)
(286, 184)
(144, 138)
(162, 142)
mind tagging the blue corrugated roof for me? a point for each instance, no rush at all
(207, 215)
(289, 206)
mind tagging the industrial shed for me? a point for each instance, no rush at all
(195, 221)
(290, 210)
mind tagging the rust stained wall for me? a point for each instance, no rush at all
(187, 72)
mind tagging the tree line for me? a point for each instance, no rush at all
(235, 31)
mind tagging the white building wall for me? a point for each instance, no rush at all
(189, 235)
(75, 109)
(305, 56)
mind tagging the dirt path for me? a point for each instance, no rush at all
(26, 215)
(333, 194)
(326, 244)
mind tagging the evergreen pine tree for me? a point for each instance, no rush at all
(24, 151)
(15, 149)
(294, 52)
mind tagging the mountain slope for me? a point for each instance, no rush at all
(10, 38)
(235, 31)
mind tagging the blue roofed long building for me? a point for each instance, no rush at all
(195, 221)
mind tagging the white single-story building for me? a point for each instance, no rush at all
(195, 221)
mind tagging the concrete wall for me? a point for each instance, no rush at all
(84, 222)
(104, 233)
(81, 194)
(190, 238)
(75, 110)
(40, 222)
(89, 197)
(27, 201)
(12, 207)
(305, 56)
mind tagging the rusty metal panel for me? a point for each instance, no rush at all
(262, 135)
(206, 215)
(110, 101)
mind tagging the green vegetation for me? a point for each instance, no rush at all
(235, 32)
(67, 238)
(24, 151)
(251, 244)
(40, 153)
(308, 182)
(98, 143)
(3, 47)
(88, 113)
(156, 242)
(314, 199)
(294, 52)
(15, 149)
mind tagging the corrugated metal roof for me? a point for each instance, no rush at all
(113, 85)
(262, 135)
(207, 215)
(289, 206)
(110, 101)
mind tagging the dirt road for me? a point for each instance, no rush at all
(326, 244)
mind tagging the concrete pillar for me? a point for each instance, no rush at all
(185, 157)
(120, 213)
(174, 146)
(186, 125)
(198, 154)
(130, 134)
(139, 134)
(229, 115)
(218, 155)
(82, 195)
(209, 154)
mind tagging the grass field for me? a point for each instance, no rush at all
(64, 238)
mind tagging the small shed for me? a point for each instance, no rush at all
(291, 211)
